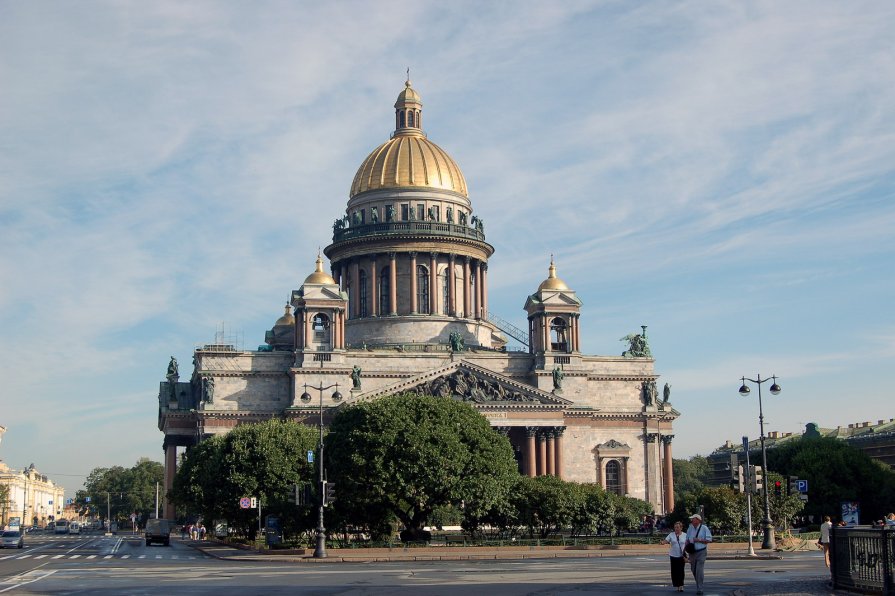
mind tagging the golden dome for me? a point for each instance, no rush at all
(408, 159)
(286, 319)
(552, 282)
(319, 276)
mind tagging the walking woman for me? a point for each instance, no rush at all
(677, 539)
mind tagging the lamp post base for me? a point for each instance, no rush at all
(320, 550)
(769, 543)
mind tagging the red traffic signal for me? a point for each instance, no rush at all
(778, 488)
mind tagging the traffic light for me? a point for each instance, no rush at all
(793, 488)
(738, 480)
(757, 479)
(778, 488)
(330, 492)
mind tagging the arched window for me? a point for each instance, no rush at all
(401, 119)
(614, 477)
(410, 118)
(320, 327)
(445, 293)
(362, 293)
(384, 292)
(559, 335)
(422, 289)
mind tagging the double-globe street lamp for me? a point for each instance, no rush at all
(320, 550)
(768, 542)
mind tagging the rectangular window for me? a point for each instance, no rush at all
(405, 212)
(436, 212)
(420, 212)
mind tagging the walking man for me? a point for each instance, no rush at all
(699, 536)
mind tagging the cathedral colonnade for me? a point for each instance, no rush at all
(541, 450)
(399, 283)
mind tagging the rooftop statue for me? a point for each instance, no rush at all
(456, 341)
(389, 214)
(173, 370)
(355, 376)
(374, 215)
(666, 393)
(638, 346)
(558, 376)
(449, 215)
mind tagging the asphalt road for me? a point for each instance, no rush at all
(95, 564)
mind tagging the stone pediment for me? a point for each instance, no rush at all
(321, 292)
(613, 444)
(474, 384)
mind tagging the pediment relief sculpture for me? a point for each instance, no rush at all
(464, 385)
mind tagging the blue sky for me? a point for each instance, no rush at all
(721, 172)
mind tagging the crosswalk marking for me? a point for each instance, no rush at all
(108, 557)
(40, 556)
(23, 557)
(74, 556)
(91, 556)
(125, 556)
(58, 556)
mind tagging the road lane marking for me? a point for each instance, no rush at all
(74, 556)
(91, 556)
(22, 557)
(58, 556)
(125, 556)
(40, 556)
(108, 557)
(18, 581)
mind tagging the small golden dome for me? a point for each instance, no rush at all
(286, 319)
(408, 159)
(319, 276)
(552, 282)
(408, 95)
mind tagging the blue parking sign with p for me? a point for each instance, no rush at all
(802, 485)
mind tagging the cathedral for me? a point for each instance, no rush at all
(403, 307)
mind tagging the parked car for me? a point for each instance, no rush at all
(12, 539)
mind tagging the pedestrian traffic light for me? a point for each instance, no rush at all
(757, 477)
(778, 488)
(793, 488)
(330, 492)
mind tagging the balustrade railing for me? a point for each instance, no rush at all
(405, 227)
(862, 559)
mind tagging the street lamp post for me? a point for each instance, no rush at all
(768, 542)
(320, 551)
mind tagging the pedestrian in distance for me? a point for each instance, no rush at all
(698, 537)
(824, 541)
(677, 541)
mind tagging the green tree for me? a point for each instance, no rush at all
(836, 472)
(263, 460)
(546, 504)
(119, 491)
(690, 475)
(400, 457)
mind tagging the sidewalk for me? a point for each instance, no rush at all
(718, 551)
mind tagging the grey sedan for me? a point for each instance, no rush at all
(12, 539)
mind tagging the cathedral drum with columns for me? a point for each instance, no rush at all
(405, 309)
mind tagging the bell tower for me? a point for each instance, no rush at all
(553, 327)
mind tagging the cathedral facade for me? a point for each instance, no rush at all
(404, 308)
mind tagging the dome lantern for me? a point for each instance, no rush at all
(552, 282)
(408, 111)
(320, 276)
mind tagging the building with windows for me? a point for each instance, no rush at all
(403, 307)
(30, 497)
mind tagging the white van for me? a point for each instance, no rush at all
(61, 526)
(74, 528)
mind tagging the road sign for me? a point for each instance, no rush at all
(245, 503)
(802, 485)
(310, 456)
(253, 504)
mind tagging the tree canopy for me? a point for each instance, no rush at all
(120, 491)
(401, 457)
(836, 472)
(263, 460)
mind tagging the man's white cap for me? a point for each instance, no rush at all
(696, 516)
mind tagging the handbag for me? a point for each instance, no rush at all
(691, 546)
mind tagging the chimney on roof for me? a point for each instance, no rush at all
(880, 422)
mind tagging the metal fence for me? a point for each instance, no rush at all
(862, 559)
